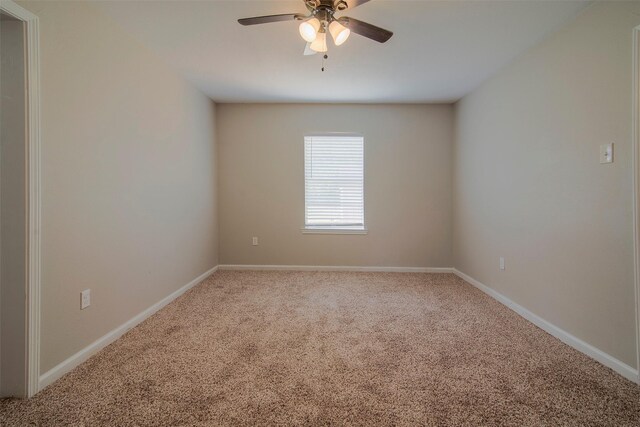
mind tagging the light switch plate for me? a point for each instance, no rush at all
(255, 241)
(85, 299)
(502, 263)
(606, 153)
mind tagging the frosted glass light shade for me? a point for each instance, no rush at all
(309, 29)
(320, 43)
(339, 32)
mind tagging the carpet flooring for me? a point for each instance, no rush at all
(325, 348)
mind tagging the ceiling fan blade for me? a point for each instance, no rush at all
(271, 18)
(308, 51)
(367, 30)
(352, 3)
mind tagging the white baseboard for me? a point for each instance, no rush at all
(336, 268)
(591, 351)
(67, 365)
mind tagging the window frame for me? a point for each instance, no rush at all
(334, 229)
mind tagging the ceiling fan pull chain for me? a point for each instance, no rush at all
(325, 56)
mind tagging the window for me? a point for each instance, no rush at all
(334, 183)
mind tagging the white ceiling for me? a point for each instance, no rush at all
(440, 51)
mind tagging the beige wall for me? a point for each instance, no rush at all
(528, 185)
(407, 184)
(129, 178)
(12, 209)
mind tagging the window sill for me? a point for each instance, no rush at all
(334, 230)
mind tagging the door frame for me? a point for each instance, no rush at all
(32, 78)
(636, 183)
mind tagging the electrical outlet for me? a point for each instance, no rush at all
(606, 153)
(502, 263)
(255, 241)
(85, 299)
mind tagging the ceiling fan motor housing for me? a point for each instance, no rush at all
(324, 9)
(328, 4)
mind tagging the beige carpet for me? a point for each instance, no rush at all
(306, 348)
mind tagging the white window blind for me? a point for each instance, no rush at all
(334, 182)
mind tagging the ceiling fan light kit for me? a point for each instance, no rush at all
(339, 32)
(320, 43)
(321, 20)
(309, 29)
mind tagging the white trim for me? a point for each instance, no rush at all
(635, 159)
(32, 51)
(347, 134)
(18, 12)
(335, 230)
(591, 351)
(67, 365)
(240, 267)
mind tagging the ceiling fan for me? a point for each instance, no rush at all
(322, 19)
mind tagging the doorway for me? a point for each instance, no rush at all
(636, 183)
(13, 207)
(19, 202)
